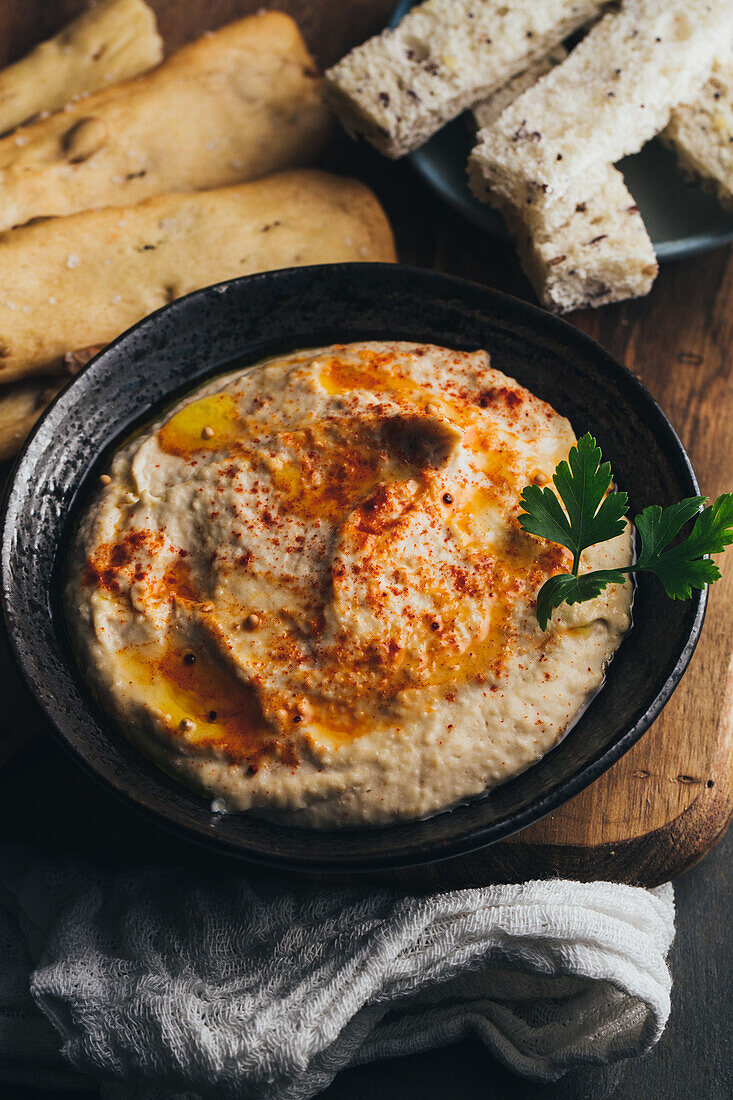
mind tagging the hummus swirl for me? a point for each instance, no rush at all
(306, 589)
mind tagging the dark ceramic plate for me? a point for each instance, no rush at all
(240, 322)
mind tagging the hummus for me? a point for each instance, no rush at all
(306, 590)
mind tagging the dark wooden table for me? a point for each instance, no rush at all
(43, 790)
(47, 799)
(681, 340)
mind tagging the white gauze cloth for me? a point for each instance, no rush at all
(162, 982)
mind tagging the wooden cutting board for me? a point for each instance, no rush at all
(668, 801)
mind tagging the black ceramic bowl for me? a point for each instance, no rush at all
(240, 322)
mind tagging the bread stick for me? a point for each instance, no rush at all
(601, 254)
(701, 133)
(235, 105)
(614, 92)
(78, 282)
(488, 111)
(114, 40)
(398, 88)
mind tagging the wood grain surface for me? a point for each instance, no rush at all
(670, 799)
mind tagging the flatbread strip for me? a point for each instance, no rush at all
(398, 88)
(115, 40)
(235, 105)
(490, 110)
(601, 254)
(701, 133)
(615, 91)
(70, 283)
(20, 406)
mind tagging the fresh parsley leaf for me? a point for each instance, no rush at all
(592, 515)
(683, 567)
(567, 588)
(657, 527)
(582, 482)
(543, 516)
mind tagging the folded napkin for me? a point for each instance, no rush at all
(164, 982)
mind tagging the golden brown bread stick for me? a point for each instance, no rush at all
(235, 105)
(68, 283)
(114, 40)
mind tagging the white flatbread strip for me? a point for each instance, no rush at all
(398, 88)
(614, 92)
(488, 111)
(601, 254)
(114, 40)
(701, 133)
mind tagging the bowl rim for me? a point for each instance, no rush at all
(475, 838)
